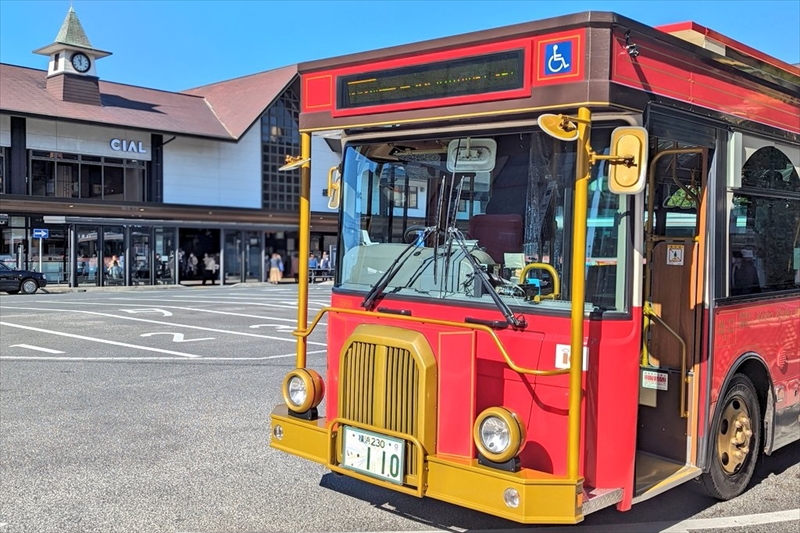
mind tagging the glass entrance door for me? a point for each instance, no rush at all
(140, 256)
(88, 252)
(233, 257)
(253, 256)
(113, 255)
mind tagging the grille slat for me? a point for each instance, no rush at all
(364, 367)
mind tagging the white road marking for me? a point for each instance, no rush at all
(278, 327)
(176, 337)
(684, 526)
(93, 339)
(36, 348)
(284, 339)
(148, 310)
(238, 302)
(153, 358)
(197, 309)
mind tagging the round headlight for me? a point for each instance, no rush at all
(498, 434)
(296, 391)
(495, 434)
(303, 389)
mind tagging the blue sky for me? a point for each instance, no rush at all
(181, 44)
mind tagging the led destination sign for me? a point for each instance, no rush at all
(501, 71)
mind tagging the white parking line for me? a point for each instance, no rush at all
(35, 348)
(93, 339)
(198, 309)
(194, 300)
(153, 358)
(684, 526)
(160, 323)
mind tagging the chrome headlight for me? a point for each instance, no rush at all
(303, 389)
(498, 434)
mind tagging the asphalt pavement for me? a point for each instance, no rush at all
(148, 411)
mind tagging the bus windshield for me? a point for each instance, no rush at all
(513, 217)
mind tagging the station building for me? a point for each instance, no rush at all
(150, 178)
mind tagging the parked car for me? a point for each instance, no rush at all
(13, 281)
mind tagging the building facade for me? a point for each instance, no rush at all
(95, 174)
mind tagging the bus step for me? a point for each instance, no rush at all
(596, 499)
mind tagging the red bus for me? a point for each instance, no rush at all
(568, 270)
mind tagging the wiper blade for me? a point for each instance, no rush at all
(375, 292)
(483, 276)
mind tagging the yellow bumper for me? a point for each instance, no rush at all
(543, 498)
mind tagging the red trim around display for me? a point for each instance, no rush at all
(319, 88)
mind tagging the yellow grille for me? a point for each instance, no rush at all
(380, 387)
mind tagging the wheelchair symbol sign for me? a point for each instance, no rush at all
(558, 58)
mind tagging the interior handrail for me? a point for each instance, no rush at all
(549, 268)
(649, 313)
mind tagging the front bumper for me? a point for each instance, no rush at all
(543, 498)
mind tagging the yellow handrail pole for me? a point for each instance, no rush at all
(303, 237)
(577, 291)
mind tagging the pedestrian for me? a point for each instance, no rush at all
(192, 263)
(209, 269)
(275, 268)
(313, 264)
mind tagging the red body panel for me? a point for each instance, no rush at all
(661, 71)
(611, 385)
(771, 330)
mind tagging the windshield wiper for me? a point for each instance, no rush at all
(375, 292)
(483, 276)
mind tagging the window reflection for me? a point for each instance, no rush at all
(764, 233)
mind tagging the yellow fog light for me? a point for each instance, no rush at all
(303, 389)
(498, 434)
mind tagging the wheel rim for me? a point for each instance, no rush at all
(29, 286)
(733, 439)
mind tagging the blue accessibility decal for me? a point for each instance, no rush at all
(558, 58)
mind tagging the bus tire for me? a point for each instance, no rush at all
(737, 437)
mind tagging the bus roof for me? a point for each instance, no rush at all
(615, 64)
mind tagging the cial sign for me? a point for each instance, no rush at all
(124, 145)
(41, 233)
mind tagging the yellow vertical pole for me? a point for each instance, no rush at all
(577, 291)
(303, 237)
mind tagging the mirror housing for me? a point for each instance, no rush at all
(334, 187)
(628, 171)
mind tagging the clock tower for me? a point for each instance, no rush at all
(71, 73)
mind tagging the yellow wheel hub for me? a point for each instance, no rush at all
(733, 440)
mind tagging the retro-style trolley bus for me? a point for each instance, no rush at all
(568, 271)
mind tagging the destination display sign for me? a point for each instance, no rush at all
(494, 72)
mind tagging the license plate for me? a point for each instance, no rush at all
(375, 455)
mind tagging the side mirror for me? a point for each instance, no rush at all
(334, 188)
(628, 170)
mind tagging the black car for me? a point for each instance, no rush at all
(13, 281)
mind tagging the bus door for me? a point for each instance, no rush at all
(672, 322)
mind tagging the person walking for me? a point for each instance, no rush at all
(209, 269)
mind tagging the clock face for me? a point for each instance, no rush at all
(81, 62)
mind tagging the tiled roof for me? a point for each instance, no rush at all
(239, 102)
(71, 31)
(23, 91)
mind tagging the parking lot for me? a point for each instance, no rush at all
(148, 411)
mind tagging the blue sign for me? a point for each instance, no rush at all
(40, 233)
(558, 58)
